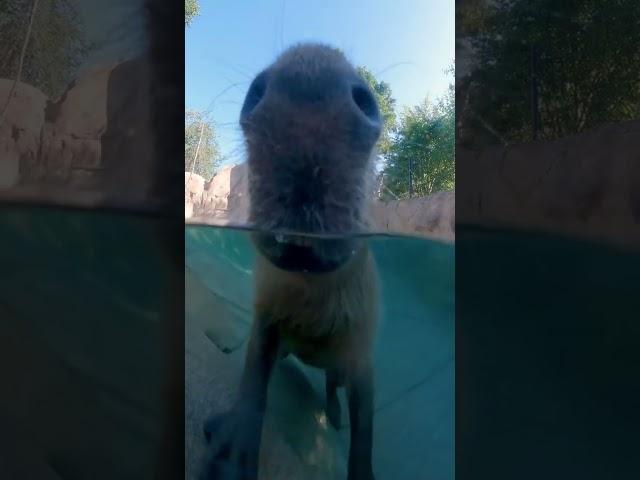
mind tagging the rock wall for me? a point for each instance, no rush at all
(72, 132)
(54, 140)
(92, 146)
(586, 185)
(20, 132)
(221, 200)
(224, 200)
(432, 216)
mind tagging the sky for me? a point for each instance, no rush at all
(406, 43)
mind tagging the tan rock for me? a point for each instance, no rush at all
(193, 191)
(188, 208)
(26, 108)
(93, 146)
(20, 130)
(82, 110)
(225, 201)
(9, 166)
(193, 183)
(74, 127)
(226, 196)
(432, 216)
(586, 185)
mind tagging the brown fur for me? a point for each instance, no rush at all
(310, 124)
(328, 321)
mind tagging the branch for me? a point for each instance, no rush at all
(21, 63)
(195, 156)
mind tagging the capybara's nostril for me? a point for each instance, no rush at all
(255, 94)
(364, 100)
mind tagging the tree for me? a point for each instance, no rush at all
(199, 136)
(191, 10)
(424, 144)
(386, 103)
(567, 54)
(471, 16)
(56, 47)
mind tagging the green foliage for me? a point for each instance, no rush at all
(471, 16)
(425, 139)
(588, 65)
(386, 103)
(208, 157)
(424, 136)
(56, 47)
(191, 10)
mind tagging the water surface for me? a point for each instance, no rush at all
(414, 361)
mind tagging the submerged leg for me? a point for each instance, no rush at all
(235, 436)
(333, 402)
(360, 392)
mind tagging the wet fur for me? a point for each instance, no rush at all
(302, 138)
(328, 320)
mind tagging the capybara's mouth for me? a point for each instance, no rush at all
(299, 253)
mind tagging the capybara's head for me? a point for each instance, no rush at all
(310, 124)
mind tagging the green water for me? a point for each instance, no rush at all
(83, 336)
(547, 337)
(82, 298)
(414, 357)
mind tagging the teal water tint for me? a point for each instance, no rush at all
(82, 294)
(414, 358)
(547, 337)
